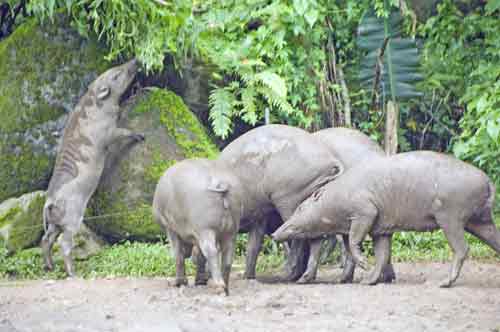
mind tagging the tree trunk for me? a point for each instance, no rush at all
(345, 97)
(391, 128)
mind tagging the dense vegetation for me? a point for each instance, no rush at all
(315, 64)
(303, 62)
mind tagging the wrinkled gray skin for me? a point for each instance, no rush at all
(279, 166)
(352, 148)
(414, 191)
(90, 131)
(198, 203)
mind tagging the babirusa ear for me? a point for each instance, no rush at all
(218, 185)
(337, 169)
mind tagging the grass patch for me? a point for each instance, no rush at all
(137, 259)
(133, 259)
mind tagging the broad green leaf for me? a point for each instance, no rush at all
(493, 129)
(460, 149)
(311, 16)
(482, 103)
(300, 6)
(492, 5)
(400, 62)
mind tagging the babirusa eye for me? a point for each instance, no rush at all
(103, 92)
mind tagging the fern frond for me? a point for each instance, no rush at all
(221, 109)
(249, 110)
(276, 101)
(273, 81)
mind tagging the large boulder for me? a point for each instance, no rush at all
(85, 243)
(21, 224)
(121, 208)
(44, 69)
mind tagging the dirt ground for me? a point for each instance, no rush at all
(413, 303)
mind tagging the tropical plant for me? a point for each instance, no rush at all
(390, 66)
(145, 28)
(461, 61)
(262, 59)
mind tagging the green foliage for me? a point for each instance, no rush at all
(256, 66)
(462, 61)
(27, 264)
(264, 55)
(480, 138)
(143, 28)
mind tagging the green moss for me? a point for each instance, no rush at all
(27, 229)
(7, 217)
(22, 169)
(180, 123)
(43, 69)
(158, 166)
(23, 226)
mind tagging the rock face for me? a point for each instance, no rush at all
(86, 243)
(21, 226)
(44, 69)
(21, 223)
(121, 208)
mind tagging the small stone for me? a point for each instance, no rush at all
(50, 282)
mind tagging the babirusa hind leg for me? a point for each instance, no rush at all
(382, 248)
(455, 235)
(67, 249)
(208, 246)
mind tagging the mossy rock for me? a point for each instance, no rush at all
(44, 69)
(21, 224)
(85, 244)
(121, 208)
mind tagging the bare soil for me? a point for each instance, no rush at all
(413, 303)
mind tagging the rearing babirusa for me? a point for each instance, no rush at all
(90, 130)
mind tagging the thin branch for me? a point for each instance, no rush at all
(345, 96)
(378, 73)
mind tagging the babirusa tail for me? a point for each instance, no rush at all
(485, 228)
